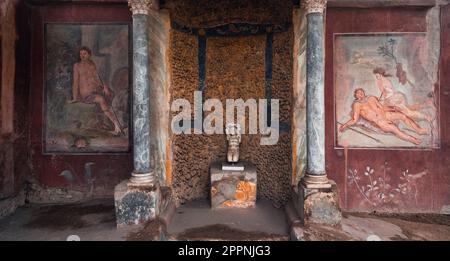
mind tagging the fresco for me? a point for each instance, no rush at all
(384, 95)
(86, 88)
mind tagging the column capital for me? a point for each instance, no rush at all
(314, 6)
(142, 6)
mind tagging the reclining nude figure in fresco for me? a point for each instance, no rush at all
(88, 88)
(233, 132)
(382, 117)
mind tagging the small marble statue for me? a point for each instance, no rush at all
(233, 132)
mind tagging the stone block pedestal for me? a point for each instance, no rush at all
(319, 205)
(135, 204)
(233, 188)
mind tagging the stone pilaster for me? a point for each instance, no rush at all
(318, 198)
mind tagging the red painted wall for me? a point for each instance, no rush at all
(107, 170)
(426, 194)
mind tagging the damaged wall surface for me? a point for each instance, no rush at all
(14, 105)
(14, 153)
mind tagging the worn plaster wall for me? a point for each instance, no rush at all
(235, 68)
(443, 204)
(14, 89)
(14, 165)
(8, 33)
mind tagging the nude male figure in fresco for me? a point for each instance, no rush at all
(88, 88)
(383, 117)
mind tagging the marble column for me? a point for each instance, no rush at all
(315, 106)
(142, 175)
(318, 197)
(138, 200)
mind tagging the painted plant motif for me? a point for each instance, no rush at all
(71, 176)
(384, 92)
(86, 88)
(378, 190)
(387, 50)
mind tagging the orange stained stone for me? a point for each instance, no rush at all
(245, 191)
(228, 203)
(213, 191)
(240, 195)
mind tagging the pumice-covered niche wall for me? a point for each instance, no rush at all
(232, 50)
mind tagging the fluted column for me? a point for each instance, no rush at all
(142, 174)
(315, 106)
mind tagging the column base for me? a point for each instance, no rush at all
(316, 181)
(136, 204)
(319, 205)
(142, 179)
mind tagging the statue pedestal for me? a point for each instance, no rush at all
(233, 188)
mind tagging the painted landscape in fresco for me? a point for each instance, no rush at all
(384, 92)
(86, 88)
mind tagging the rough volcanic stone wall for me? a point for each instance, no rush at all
(184, 81)
(207, 13)
(282, 73)
(235, 68)
(278, 163)
(184, 63)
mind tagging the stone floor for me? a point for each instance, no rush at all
(95, 220)
(369, 227)
(195, 220)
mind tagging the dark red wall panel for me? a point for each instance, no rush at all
(108, 169)
(426, 194)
